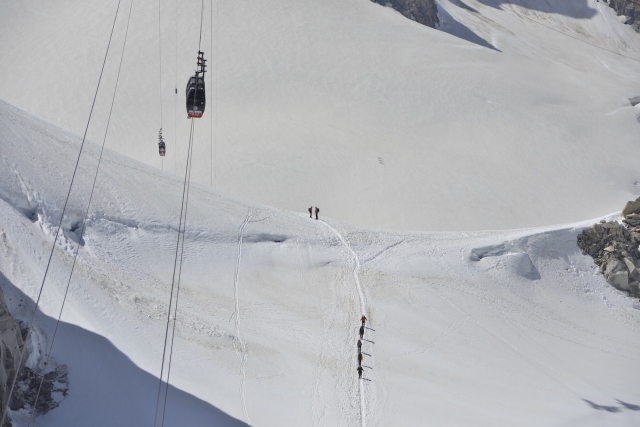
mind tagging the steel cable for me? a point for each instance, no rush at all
(175, 313)
(84, 222)
(181, 231)
(64, 209)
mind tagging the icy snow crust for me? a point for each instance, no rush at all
(468, 328)
(495, 122)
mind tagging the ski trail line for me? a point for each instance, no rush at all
(318, 405)
(356, 268)
(238, 341)
(362, 404)
(356, 277)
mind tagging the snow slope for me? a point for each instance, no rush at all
(496, 121)
(467, 328)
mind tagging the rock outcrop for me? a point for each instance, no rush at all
(630, 9)
(423, 11)
(614, 248)
(10, 347)
(631, 213)
(54, 389)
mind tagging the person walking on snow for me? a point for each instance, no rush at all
(363, 319)
(360, 372)
(360, 357)
(310, 211)
(317, 210)
(361, 332)
(359, 346)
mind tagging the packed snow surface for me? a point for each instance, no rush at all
(465, 328)
(512, 114)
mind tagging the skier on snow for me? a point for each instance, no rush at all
(363, 319)
(359, 346)
(360, 357)
(361, 332)
(360, 371)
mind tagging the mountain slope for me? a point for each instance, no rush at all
(502, 120)
(468, 328)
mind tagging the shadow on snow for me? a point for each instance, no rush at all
(105, 387)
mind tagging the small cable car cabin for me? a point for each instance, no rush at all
(161, 146)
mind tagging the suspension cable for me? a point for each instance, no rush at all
(84, 221)
(160, 60)
(211, 109)
(64, 209)
(175, 263)
(215, 105)
(160, 69)
(181, 226)
(175, 313)
(201, 16)
(175, 98)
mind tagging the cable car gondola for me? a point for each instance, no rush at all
(161, 145)
(196, 99)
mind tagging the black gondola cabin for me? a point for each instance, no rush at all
(196, 98)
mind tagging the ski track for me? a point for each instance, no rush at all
(356, 277)
(338, 350)
(356, 268)
(318, 405)
(238, 342)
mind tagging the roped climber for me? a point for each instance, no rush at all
(361, 332)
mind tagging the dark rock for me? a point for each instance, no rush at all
(630, 9)
(614, 249)
(631, 213)
(11, 345)
(423, 11)
(54, 388)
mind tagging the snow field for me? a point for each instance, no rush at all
(495, 122)
(471, 328)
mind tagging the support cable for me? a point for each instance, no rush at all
(175, 98)
(173, 280)
(181, 226)
(160, 67)
(84, 222)
(211, 86)
(215, 125)
(64, 209)
(175, 313)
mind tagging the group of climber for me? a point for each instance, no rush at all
(311, 211)
(363, 319)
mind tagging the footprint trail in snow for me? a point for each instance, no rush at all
(356, 277)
